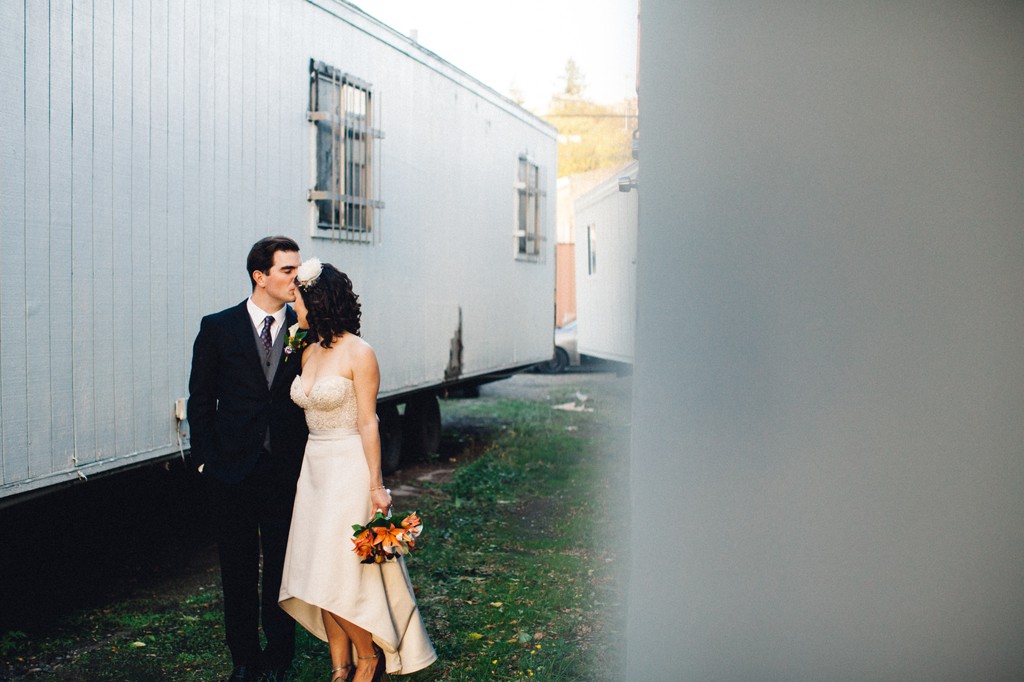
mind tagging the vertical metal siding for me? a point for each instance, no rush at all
(60, 317)
(258, 59)
(192, 47)
(109, 347)
(155, 372)
(83, 330)
(142, 226)
(37, 238)
(148, 144)
(123, 200)
(15, 337)
(222, 75)
(176, 271)
(205, 244)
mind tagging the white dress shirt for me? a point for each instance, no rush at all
(258, 315)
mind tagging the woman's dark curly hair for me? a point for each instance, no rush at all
(331, 306)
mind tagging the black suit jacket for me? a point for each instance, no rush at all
(230, 405)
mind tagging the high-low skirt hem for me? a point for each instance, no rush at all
(322, 571)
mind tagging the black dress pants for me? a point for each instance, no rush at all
(247, 517)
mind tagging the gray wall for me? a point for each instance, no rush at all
(828, 408)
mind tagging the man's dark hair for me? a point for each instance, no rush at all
(261, 255)
(331, 306)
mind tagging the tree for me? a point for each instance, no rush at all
(575, 84)
(590, 135)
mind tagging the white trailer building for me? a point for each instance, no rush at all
(606, 239)
(145, 145)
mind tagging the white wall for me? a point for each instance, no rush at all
(144, 147)
(829, 375)
(606, 293)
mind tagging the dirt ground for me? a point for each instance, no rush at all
(144, 532)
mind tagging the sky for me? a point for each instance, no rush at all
(524, 44)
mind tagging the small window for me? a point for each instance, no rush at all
(591, 249)
(529, 233)
(344, 196)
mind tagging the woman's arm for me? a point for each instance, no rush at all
(366, 381)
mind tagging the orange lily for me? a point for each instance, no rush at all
(413, 526)
(387, 537)
(363, 544)
(364, 552)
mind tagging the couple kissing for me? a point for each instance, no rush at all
(284, 428)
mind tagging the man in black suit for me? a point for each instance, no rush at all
(248, 437)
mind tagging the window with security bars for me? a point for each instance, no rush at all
(346, 183)
(529, 234)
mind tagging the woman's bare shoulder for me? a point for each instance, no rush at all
(356, 344)
(358, 350)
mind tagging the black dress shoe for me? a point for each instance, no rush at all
(243, 673)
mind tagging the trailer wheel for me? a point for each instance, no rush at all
(390, 438)
(422, 433)
(557, 364)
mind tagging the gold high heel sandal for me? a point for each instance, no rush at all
(346, 677)
(379, 673)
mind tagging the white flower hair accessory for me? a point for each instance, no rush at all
(309, 272)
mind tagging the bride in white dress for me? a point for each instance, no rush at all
(368, 609)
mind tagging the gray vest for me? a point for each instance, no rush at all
(269, 365)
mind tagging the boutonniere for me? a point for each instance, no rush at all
(295, 341)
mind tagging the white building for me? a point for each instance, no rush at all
(145, 146)
(606, 241)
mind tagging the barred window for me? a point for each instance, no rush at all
(529, 233)
(346, 183)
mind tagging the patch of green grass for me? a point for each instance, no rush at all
(517, 576)
(518, 585)
(151, 638)
(11, 642)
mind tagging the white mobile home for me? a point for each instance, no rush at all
(606, 238)
(144, 146)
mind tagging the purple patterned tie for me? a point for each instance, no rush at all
(268, 342)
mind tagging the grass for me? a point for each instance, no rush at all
(518, 577)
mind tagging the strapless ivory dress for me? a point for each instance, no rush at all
(320, 569)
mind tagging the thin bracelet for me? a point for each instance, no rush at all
(380, 487)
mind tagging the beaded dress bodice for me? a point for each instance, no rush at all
(331, 404)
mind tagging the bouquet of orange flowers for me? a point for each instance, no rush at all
(381, 540)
